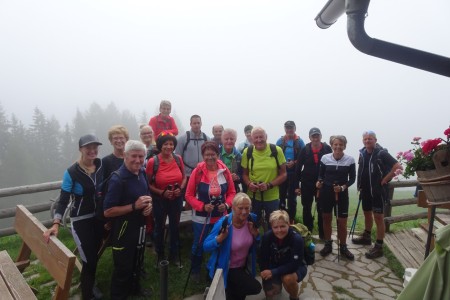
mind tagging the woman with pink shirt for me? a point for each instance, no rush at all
(233, 242)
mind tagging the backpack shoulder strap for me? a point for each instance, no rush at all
(188, 139)
(274, 153)
(155, 166)
(177, 160)
(250, 156)
(204, 136)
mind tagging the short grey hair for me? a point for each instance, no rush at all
(230, 130)
(133, 145)
(342, 138)
(165, 102)
(259, 128)
(369, 132)
(241, 197)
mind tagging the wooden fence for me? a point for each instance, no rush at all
(50, 186)
(33, 208)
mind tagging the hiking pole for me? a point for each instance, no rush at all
(196, 251)
(352, 229)
(336, 209)
(263, 210)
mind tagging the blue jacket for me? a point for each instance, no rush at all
(221, 253)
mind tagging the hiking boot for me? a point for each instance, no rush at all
(327, 249)
(375, 252)
(364, 239)
(344, 251)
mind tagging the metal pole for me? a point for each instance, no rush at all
(163, 274)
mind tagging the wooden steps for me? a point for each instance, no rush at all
(408, 245)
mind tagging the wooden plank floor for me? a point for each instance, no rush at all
(407, 246)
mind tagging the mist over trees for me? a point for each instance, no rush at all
(42, 151)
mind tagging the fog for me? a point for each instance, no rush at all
(232, 62)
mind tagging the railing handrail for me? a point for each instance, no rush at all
(30, 189)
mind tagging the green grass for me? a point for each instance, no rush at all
(177, 277)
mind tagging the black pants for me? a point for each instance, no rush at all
(127, 256)
(161, 209)
(88, 234)
(241, 284)
(287, 190)
(309, 191)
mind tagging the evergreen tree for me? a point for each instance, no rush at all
(4, 134)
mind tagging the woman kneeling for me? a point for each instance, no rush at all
(282, 261)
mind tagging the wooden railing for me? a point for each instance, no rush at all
(33, 208)
(388, 218)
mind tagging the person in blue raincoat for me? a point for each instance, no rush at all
(233, 242)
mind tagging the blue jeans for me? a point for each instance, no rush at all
(201, 231)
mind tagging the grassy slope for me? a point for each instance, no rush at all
(177, 277)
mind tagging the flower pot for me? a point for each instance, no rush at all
(441, 161)
(436, 183)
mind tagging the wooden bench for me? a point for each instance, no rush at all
(54, 255)
(12, 283)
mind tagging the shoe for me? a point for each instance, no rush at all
(344, 251)
(364, 239)
(375, 252)
(327, 249)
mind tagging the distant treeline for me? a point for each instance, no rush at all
(41, 152)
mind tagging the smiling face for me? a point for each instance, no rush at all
(165, 109)
(369, 142)
(210, 158)
(118, 141)
(147, 136)
(280, 229)
(89, 152)
(259, 138)
(134, 159)
(338, 146)
(167, 148)
(228, 141)
(241, 211)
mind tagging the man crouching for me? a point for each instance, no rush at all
(126, 203)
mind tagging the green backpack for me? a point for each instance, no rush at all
(309, 246)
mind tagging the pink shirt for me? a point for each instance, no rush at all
(241, 242)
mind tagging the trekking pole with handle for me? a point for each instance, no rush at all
(336, 210)
(352, 229)
(196, 251)
(263, 210)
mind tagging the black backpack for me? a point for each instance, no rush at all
(273, 153)
(188, 139)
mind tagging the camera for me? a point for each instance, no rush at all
(216, 200)
(170, 187)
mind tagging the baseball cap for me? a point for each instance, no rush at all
(314, 131)
(289, 124)
(88, 139)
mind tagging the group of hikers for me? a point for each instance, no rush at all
(232, 191)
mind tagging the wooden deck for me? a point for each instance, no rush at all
(408, 245)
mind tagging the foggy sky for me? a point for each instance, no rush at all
(232, 62)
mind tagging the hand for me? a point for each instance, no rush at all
(337, 188)
(147, 210)
(209, 208)
(263, 186)
(254, 187)
(253, 229)
(222, 236)
(319, 184)
(169, 194)
(222, 207)
(107, 226)
(298, 192)
(266, 274)
(51, 231)
(290, 164)
(142, 202)
(177, 193)
(235, 177)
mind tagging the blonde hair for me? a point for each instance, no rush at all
(118, 129)
(239, 198)
(279, 215)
